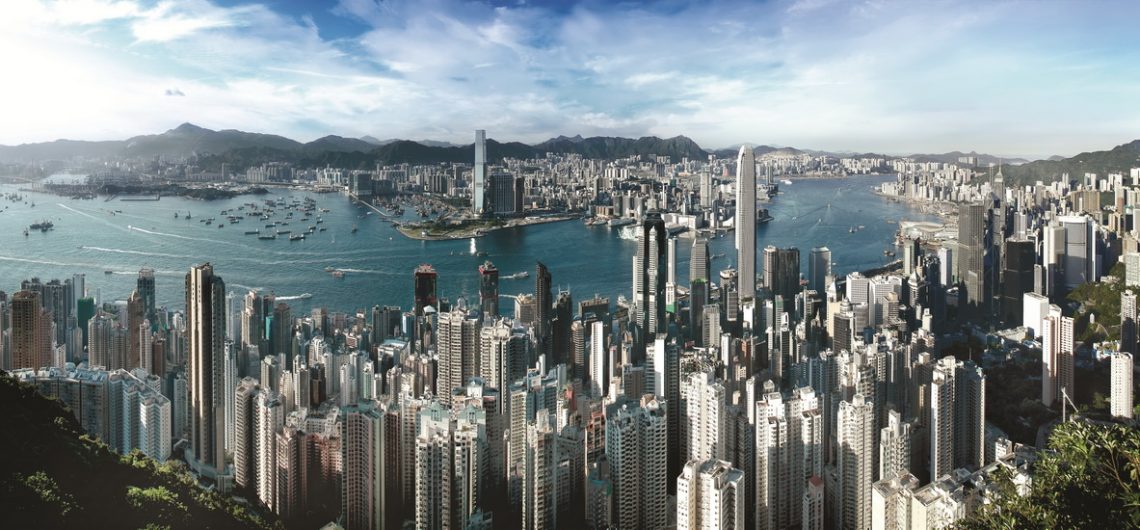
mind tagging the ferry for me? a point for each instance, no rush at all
(297, 237)
(271, 236)
(338, 275)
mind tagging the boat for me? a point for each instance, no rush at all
(621, 221)
(25, 232)
(851, 230)
(272, 236)
(42, 226)
(321, 229)
(297, 237)
(251, 232)
(354, 229)
(786, 182)
(517, 276)
(279, 232)
(717, 256)
(338, 274)
(176, 215)
(108, 272)
(329, 269)
(763, 216)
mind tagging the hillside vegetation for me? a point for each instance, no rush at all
(52, 475)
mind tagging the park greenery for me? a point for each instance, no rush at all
(1088, 477)
(1100, 303)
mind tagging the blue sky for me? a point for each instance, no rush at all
(1012, 78)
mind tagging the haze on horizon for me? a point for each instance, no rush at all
(1011, 78)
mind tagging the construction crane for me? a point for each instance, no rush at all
(1064, 409)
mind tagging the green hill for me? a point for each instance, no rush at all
(1116, 160)
(52, 475)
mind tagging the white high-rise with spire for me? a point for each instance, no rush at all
(745, 222)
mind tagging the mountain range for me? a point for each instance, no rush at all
(1119, 159)
(239, 149)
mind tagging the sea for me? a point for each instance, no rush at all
(109, 241)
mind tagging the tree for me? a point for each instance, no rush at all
(1089, 477)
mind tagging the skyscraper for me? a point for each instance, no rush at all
(145, 286)
(957, 411)
(245, 398)
(636, 440)
(424, 288)
(971, 255)
(788, 451)
(782, 271)
(745, 222)
(543, 304)
(1019, 256)
(479, 180)
(206, 334)
(699, 264)
(489, 290)
(1120, 398)
(136, 315)
(649, 279)
(458, 350)
(704, 426)
(855, 436)
(819, 268)
(366, 468)
(1057, 356)
(31, 331)
(710, 496)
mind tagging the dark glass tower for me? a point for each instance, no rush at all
(489, 290)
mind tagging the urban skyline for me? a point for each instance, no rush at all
(851, 406)
(621, 329)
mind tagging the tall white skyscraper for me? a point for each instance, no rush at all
(245, 460)
(457, 345)
(855, 430)
(206, 330)
(1057, 356)
(636, 441)
(539, 502)
(789, 451)
(703, 419)
(269, 418)
(710, 496)
(599, 360)
(1121, 385)
(479, 179)
(745, 222)
(895, 446)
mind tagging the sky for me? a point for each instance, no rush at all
(1033, 78)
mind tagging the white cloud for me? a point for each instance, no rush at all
(838, 75)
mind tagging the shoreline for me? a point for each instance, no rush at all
(416, 232)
